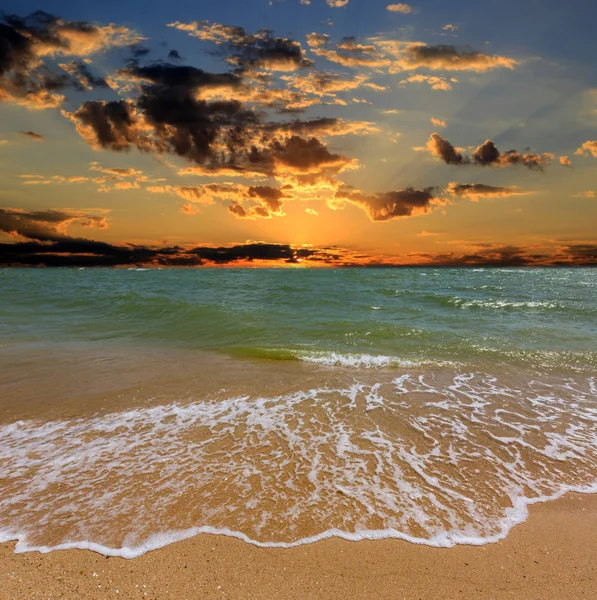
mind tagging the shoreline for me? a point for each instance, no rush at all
(550, 555)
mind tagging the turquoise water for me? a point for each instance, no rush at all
(541, 317)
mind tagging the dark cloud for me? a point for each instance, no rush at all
(390, 205)
(25, 43)
(34, 136)
(443, 57)
(169, 117)
(476, 191)
(45, 225)
(72, 252)
(300, 155)
(496, 255)
(262, 50)
(486, 155)
(82, 77)
(269, 196)
(443, 149)
(351, 44)
(267, 201)
(174, 55)
(47, 245)
(183, 77)
(195, 129)
(139, 51)
(581, 253)
(322, 126)
(237, 210)
(76, 252)
(110, 125)
(348, 52)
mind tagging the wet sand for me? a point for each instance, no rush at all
(552, 555)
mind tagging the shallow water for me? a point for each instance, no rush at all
(284, 406)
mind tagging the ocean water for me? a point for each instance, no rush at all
(282, 406)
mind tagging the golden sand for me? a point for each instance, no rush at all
(551, 556)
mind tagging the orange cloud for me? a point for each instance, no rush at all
(476, 191)
(589, 147)
(485, 155)
(434, 82)
(405, 9)
(418, 55)
(390, 205)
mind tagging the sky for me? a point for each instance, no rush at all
(298, 132)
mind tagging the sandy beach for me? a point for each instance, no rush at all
(552, 555)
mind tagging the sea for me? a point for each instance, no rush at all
(139, 407)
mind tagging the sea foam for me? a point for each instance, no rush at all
(412, 458)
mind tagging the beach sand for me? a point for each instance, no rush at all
(551, 556)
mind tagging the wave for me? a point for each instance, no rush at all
(517, 515)
(466, 354)
(431, 462)
(332, 358)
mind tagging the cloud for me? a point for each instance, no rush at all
(317, 40)
(441, 148)
(589, 147)
(26, 42)
(79, 252)
(587, 194)
(32, 135)
(488, 155)
(115, 171)
(109, 178)
(398, 204)
(83, 77)
(405, 9)
(450, 27)
(45, 225)
(504, 255)
(110, 125)
(169, 116)
(476, 191)
(337, 3)
(47, 245)
(485, 155)
(565, 161)
(322, 127)
(247, 201)
(261, 50)
(301, 156)
(438, 122)
(434, 82)
(348, 52)
(418, 55)
(44, 180)
(324, 84)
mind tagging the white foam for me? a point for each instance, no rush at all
(435, 464)
(362, 361)
(516, 516)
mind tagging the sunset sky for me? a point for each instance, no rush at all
(336, 132)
